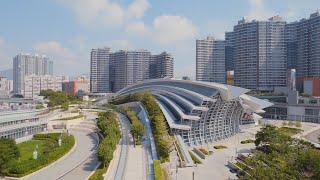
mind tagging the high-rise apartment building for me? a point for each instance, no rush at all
(291, 45)
(161, 66)
(25, 64)
(99, 70)
(305, 47)
(210, 60)
(259, 54)
(129, 67)
(112, 71)
(229, 38)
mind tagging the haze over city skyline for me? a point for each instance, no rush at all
(67, 30)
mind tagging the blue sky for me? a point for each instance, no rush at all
(66, 30)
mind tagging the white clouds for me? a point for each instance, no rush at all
(55, 51)
(96, 12)
(258, 10)
(138, 8)
(136, 28)
(170, 28)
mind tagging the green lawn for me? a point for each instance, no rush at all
(289, 131)
(26, 148)
(48, 152)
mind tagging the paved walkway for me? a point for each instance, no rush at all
(214, 166)
(125, 128)
(136, 165)
(129, 161)
(75, 165)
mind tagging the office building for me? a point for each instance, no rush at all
(161, 66)
(259, 54)
(34, 84)
(25, 64)
(99, 70)
(210, 60)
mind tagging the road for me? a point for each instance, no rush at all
(125, 128)
(77, 165)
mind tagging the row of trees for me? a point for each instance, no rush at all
(137, 128)
(58, 98)
(109, 127)
(279, 156)
(159, 125)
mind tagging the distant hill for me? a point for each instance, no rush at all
(8, 73)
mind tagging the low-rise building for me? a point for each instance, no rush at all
(34, 84)
(19, 124)
(292, 107)
(77, 87)
(311, 86)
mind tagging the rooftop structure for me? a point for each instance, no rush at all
(201, 112)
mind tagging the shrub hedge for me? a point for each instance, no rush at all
(159, 124)
(195, 159)
(137, 128)
(204, 151)
(98, 174)
(109, 127)
(220, 147)
(247, 141)
(157, 170)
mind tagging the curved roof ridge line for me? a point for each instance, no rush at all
(227, 92)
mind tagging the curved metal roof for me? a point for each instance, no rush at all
(208, 89)
(184, 96)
